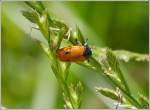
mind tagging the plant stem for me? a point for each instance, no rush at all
(62, 75)
(66, 88)
(131, 99)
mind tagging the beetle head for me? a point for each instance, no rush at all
(87, 52)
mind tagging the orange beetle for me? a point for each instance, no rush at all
(74, 53)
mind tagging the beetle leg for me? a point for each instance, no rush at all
(77, 42)
(68, 34)
(86, 40)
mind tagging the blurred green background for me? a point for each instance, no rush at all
(27, 79)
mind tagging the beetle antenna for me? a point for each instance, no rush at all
(86, 40)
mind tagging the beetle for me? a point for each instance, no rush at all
(74, 53)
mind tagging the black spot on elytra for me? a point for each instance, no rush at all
(67, 53)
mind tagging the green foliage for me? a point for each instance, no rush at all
(127, 56)
(80, 35)
(103, 60)
(143, 101)
(110, 66)
(31, 16)
(40, 17)
(76, 92)
(37, 6)
(123, 55)
(108, 93)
